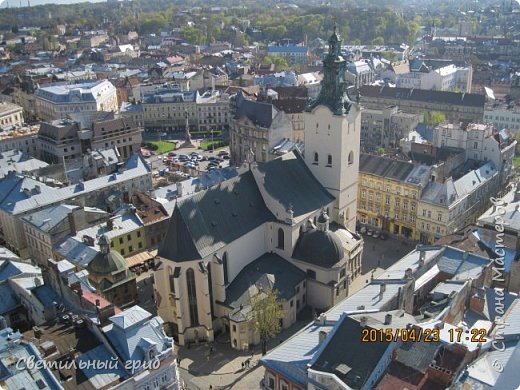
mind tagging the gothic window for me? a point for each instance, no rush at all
(225, 266)
(329, 160)
(192, 297)
(316, 158)
(281, 239)
(351, 158)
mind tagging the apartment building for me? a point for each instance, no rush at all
(447, 207)
(59, 100)
(389, 193)
(11, 115)
(67, 139)
(258, 127)
(385, 127)
(20, 196)
(24, 139)
(481, 142)
(503, 115)
(167, 109)
(456, 106)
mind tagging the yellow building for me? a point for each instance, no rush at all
(388, 194)
(126, 232)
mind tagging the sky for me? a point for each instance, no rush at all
(16, 3)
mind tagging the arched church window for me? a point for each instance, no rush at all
(281, 239)
(329, 160)
(192, 297)
(225, 267)
(316, 158)
(351, 158)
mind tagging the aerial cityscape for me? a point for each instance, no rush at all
(216, 194)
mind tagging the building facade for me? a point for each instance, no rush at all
(58, 101)
(389, 193)
(258, 127)
(11, 115)
(384, 128)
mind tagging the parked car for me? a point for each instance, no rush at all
(370, 232)
(226, 157)
(172, 154)
(363, 229)
(383, 236)
(376, 234)
(223, 153)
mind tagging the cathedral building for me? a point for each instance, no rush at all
(287, 225)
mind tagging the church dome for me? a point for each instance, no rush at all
(107, 263)
(319, 247)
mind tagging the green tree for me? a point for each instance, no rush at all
(280, 63)
(193, 35)
(378, 41)
(433, 118)
(266, 312)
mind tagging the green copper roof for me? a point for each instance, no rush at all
(333, 87)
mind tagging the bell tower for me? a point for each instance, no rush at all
(332, 136)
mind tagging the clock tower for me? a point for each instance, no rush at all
(332, 136)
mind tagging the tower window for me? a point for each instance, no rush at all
(281, 239)
(316, 158)
(329, 160)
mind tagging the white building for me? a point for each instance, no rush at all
(213, 111)
(11, 115)
(446, 78)
(503, 116)
(58, 101)
(481, 143)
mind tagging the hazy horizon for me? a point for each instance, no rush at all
(16, 3)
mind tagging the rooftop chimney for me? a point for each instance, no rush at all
(388, 319)
(382, 288)
(363, 321)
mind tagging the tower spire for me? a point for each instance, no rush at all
(333, 87)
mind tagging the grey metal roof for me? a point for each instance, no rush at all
(34, 377)
(368, 298)
(21, 194)
(291, 358)
(346, 336)
(18, 161)
(100, 378)
(260, 113)
(46, 295)
(77, 252)
(453, 263)
(127, 341)
(10, 269)
(289, 181)
(8, 298)
(385, 167)
(269, 271)
(417, 355)
(46, 219)
(207, 221)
